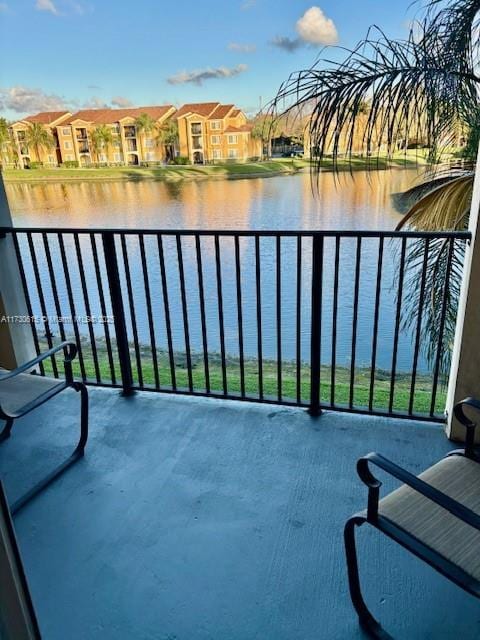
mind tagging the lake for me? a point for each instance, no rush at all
(344, 202)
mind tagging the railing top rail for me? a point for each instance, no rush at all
(350, 233)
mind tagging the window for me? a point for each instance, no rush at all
(102, 157)
(215, 124)
(116, 143)
(66, 131)
(149, 143)
(233, 139)
(67, 144)
(196, 128)
(21, 135)
(232, 153)
(51, 159)
(150, 155)
(69, 156)
(215, 139)
(117, 157)
(217, 154)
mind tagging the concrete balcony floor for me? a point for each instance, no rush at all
(194, 519)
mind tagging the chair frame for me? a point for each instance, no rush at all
(70, 351)
(447, 568)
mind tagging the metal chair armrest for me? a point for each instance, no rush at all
(70, 350)
(441, 499)
(459, 414)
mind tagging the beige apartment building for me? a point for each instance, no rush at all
(213, 132)
(207, 132)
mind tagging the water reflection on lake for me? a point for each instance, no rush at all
(361, 202)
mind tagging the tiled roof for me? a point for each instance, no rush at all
(107, 116)
(245, 128)
(200, 108)
(235, 113)
(47, 117)
(221, 111)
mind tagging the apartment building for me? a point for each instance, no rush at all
(28, 153)
(129, 145)
(210, 131)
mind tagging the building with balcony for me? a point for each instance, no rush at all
(129, 146)
(212, 132)
(47, 155)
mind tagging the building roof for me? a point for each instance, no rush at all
(47, 117)
(245, 128)
(200, 108)
(235, 113)
(107, 116)
(221, 111)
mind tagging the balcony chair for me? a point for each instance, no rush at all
(435, 516)
(21, 392)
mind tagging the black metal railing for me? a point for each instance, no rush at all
(305, 318)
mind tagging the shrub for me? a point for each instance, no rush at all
(181, 160)
(70, 164)
(35, 165)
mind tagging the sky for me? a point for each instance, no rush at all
(73, 54)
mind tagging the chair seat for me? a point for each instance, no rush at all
(459, 478)
(19, 391)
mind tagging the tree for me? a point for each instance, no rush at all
(425, 87)
(144, 125)
(101, 138)
(4, 139)
(38, 137)
(168, 137)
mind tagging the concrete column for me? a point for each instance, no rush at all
(16, 341)
(465, 370)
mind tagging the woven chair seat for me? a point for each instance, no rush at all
(459, 478)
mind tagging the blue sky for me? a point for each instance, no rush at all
(78, 53)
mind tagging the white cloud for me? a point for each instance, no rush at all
(121, 102)
(243, 48)
(46, 5)
(248, 4)
(96, 103)
(4, 7)
(199, 76)
(26, 100)
(315, 28)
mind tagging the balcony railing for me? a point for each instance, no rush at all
(305, 318)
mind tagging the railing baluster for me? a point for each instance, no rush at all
(146, 283)
(298, 328)
(278, 253)
(239, 316)
(28, 301)
(41, 298)
(71, 304)
(355, 321)
(131, 306)
(378, 290)
(103, 307)
(258, 290)
(333, 370)
(442, 325)
(53, 282)
(418, 331)
(183, 294)
(316, 329)
(86, 300)
(203, 318)
(166, 307)
(218, 268)
(116, 297)
(397, 324)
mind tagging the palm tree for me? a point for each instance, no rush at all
(101, 138)
(38, 137)
(168, 137)
(425, 87)
(144, 125)
(4, 139)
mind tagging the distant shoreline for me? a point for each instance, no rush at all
(270, 168)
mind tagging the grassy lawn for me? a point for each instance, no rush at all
(277, 166)
(381, 395)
